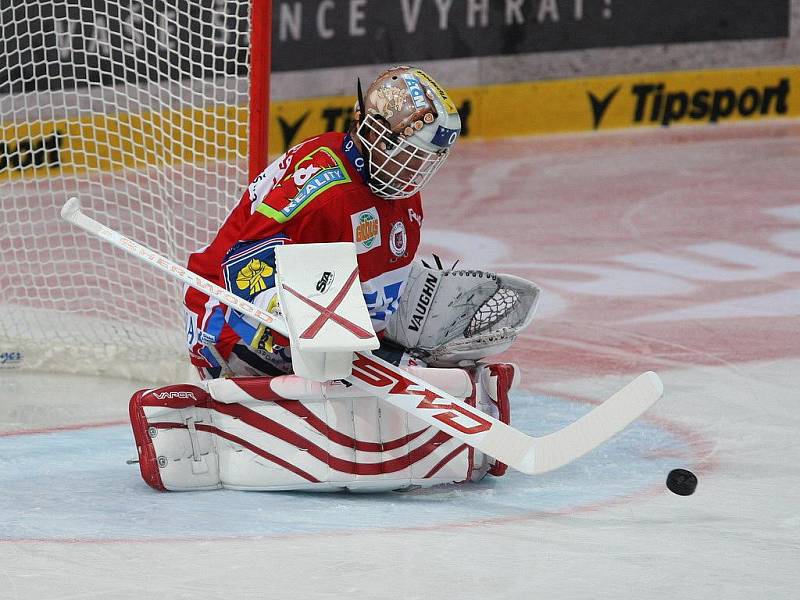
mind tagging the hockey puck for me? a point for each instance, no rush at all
(681, 482)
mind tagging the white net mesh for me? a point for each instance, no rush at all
(140, 109)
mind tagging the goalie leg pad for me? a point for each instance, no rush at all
(172, 430)
(288, 433)
(495, 382)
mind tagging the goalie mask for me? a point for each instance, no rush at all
(407, 125)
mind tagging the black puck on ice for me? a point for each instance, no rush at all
(681, 482)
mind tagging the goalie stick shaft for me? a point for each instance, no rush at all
(530, 455)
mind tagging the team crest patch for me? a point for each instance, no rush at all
(366, 230)
(312, 175)
(249, 268)
(254, 276)
(398, 240)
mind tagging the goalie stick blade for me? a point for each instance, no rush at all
(566, 445)
(525, 453)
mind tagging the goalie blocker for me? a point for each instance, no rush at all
(290, 433)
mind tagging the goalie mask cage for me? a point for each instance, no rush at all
(154, 113)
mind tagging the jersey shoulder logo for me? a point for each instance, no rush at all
(318, 171)
(398, 239)
(366, 230)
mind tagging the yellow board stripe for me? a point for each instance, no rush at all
(117, 141)
(641, 100)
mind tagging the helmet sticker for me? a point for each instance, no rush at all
(449, 106)
(445, 137)
(415, 90)
(387, 101)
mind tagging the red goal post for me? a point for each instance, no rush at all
(260, 69)
(155, 113)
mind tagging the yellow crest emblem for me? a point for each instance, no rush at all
(263, 338)
(253, 275)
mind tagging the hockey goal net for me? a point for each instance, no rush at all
(142, 109)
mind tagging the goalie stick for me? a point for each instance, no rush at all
(528, 454)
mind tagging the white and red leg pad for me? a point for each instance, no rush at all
(175, 438)
(494, 382)
(289, 433)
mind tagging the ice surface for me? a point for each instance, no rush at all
(92, 461)
(602, 224)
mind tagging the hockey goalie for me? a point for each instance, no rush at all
(273, 413)
(313, 269)
(306, 431)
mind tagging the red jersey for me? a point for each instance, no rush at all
(316, 192)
